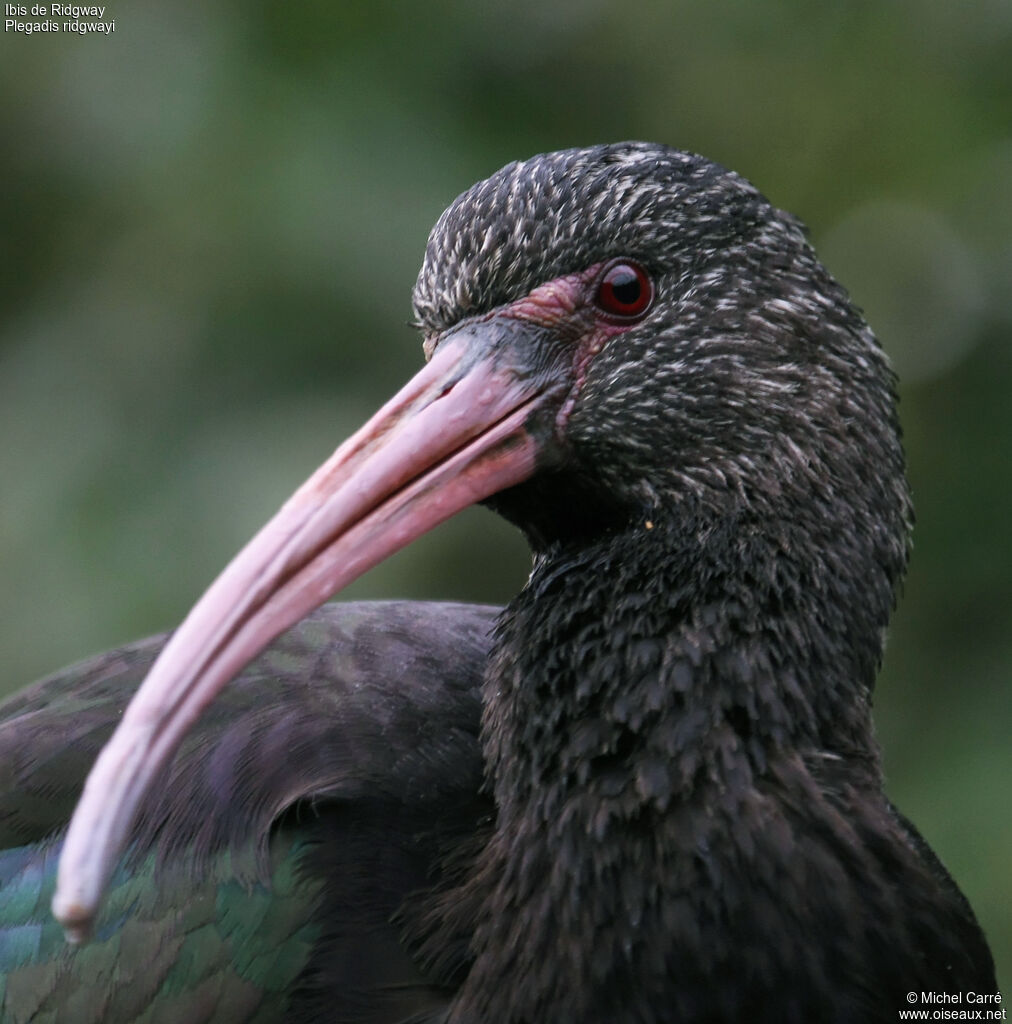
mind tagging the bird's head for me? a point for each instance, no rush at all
(689, 345)
(615, 332)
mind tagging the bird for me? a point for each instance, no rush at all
(647, 790)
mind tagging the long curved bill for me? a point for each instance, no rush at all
(454, 435)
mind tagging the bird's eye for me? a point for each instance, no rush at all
(624, 291)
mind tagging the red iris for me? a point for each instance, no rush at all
(625, 290)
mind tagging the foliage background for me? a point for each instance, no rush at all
(211, 219)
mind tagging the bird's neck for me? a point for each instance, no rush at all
(646, 694)
(644, 661)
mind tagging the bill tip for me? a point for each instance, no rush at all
(76, 919)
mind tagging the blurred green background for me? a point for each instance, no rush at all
(210, 222)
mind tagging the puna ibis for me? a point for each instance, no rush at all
(646, 791)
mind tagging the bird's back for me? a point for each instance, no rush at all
(319, 792)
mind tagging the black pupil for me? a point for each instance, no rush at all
(625, 286)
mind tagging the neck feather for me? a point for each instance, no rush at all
(662, 708)
(632, 669)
